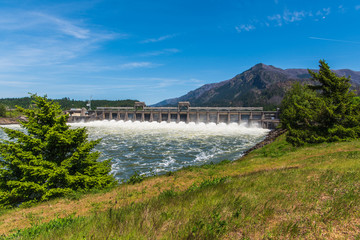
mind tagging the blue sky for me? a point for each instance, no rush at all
(153, 50)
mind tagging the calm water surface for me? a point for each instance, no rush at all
(156, 148)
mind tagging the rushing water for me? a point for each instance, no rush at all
(156, 148)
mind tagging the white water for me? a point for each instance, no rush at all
(155, 148)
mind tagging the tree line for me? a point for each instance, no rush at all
(2, 110)
(66, 103)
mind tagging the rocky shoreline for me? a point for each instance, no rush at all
(8, 121)
(273, 134)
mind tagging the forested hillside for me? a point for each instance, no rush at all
(67, 103)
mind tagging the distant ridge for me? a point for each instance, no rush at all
(261, 85)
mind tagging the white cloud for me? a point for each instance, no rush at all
(245, 27)
(159, 39)
(66, 27)
(326, 11)
(35, 39)
(334, 40)
(38, 22)
(277, 18)
(133, 65)
(287, 17)
(161, 52)
(295, 16)
(290, 17)
(341, 9)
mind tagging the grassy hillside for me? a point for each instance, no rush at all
(277, 192)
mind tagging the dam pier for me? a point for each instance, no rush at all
(182, 113)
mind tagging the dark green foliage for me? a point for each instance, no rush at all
(325, 112)
(12, 102)
(67, 103)
(2, 110)
(49, 159)
(211, 228)
(135, 178)
(168, 194)
(207, 183)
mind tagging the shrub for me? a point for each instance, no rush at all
(135, 178)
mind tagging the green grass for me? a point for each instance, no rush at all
(277, 192)
(13, 114)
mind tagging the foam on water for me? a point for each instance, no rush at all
(190, 128)
(152, 147)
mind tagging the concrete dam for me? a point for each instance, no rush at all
(183, 113)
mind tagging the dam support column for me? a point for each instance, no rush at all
(110, 115)
(142, 116)
(218, 118)
(126, 118)
(228, 118)
(151, 116)
(197, 116)
(160, 117)
(207, 117)
(250, 119)
(169, 117)
(178, 117)
(239, 118)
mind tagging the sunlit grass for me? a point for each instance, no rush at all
(275, 192)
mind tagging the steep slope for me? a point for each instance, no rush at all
(261, 85)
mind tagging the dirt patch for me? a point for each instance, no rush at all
(8, 121)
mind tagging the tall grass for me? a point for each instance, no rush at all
(311, 192)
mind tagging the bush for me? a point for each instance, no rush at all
(49, 159)
(135, 178)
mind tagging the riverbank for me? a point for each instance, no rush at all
(8, 121)
(270, 137)
(277, 191)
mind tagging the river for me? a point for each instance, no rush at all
(156, 148)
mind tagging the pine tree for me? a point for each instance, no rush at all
(2, 110)
(48, 159)
(324, 112)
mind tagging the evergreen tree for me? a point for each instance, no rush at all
(324, 112)
(48, 159)
(2, 110)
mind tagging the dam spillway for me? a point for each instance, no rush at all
(182, 113)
